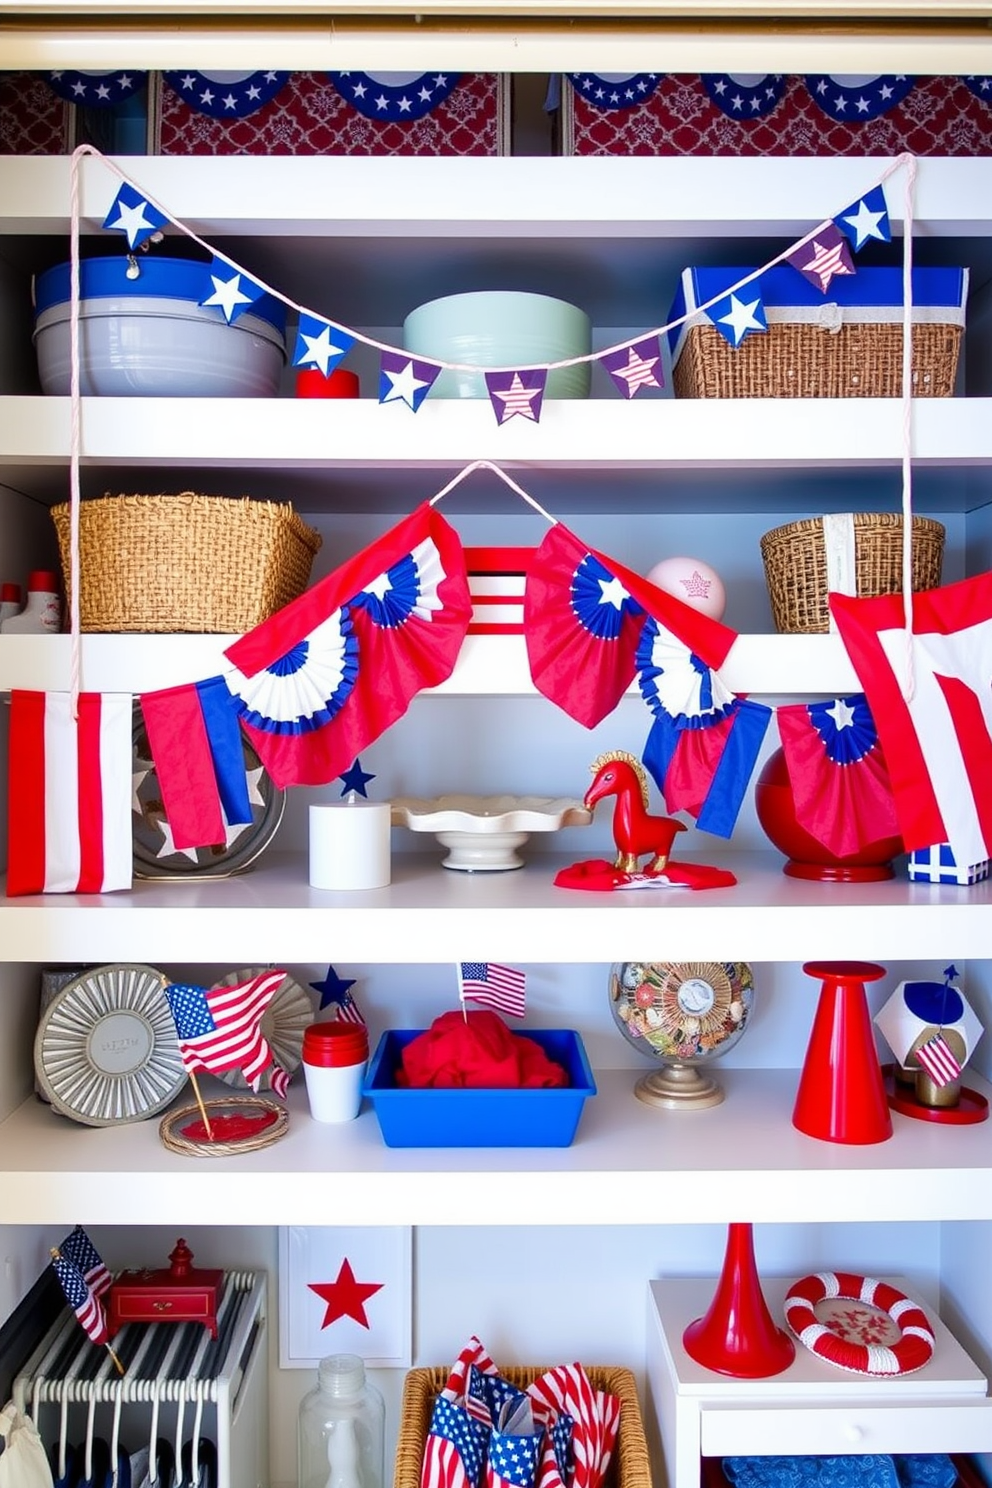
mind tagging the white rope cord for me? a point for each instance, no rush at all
(489, 465)
(576, 361)
(908, 682)
(75, 430)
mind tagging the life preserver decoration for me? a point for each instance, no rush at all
(854, 1341)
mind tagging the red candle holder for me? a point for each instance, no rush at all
(841, 1095)
(738, 1335)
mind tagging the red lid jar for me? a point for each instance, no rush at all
(334, 1043)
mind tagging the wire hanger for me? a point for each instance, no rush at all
(507, 480)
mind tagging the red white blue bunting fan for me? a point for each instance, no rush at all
(980, 86)
(837, 773)
(615, 90)
(744, 95)
(856, 99)
(395, 96)
(97, 89)
(226, 95)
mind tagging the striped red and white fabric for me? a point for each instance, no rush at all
(855, 1343)
(69, 793)
(473, 1354)
(596, 1416)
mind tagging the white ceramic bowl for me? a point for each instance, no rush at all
(501, 328)
(482, 834)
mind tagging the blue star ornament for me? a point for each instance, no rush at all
(403, 379)
(320, 344)
(132, 215)
(865, 219)
(355, 779)
(231, 291)
(740, 315)
(333, 988)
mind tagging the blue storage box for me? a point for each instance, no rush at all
(149, 336)
(480, 1118)
(938, 864)
(841, 344)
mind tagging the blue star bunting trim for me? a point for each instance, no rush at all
(377, 95)
(607, 91)
(405, 380)
(320, 344)
(599, 600)
(355, 779)
(980, 86)
(739, 315)
(865, 219)
(218, 96)
(132, 215)
(229, 289)
(739, 100)
(856, 101)
(96, 89)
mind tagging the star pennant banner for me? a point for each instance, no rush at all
(232, 291)
(636, 366)
(739, 315)
(320, 344)
(516, 394)
(825, 256)
(865, 219)
(403, 379)
(132, 215)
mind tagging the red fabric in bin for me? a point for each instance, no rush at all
(479, 1052)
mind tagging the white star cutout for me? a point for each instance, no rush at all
(206, 96)
(138, 778)
(228, 295)
(253, 777)
(842, 714)
(404, 386)
(379, 586)
(741, 318)
(229, 101)
(613, 593)
(103, 91)
(169, 848)
(187, 80)
(865, 224)
(132, 221)
(321, 350)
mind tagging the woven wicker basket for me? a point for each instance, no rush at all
(799, 360)
(795, 562)
(208, 564)
(629, 1467)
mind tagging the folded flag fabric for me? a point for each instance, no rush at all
(704, 741)
(78, 1248)
(69, 793)
(320, 680)
(455, 1449)
(938, 741)
(195, 744)
(583, 617)
(472, 1357)
(837, 773)
(81, 1298)
(220, 1028)
(595, 1415)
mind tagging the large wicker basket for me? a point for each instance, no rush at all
(800, 360)
(629, 1467)
(208, 564)
(795, 559)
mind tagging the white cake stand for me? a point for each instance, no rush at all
(482, 834)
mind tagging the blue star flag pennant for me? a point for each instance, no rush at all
(739, 315)
(822, 258)
(132, 215)
(320, 345)
(865, 219)
(636, 366)
(517, 394)
(404, 379)
(229, 289)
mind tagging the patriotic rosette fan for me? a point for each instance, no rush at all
(319, 681)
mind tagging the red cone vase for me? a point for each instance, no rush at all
(738, 1335)
(841, 1095)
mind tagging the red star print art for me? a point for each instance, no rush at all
(345, 1297)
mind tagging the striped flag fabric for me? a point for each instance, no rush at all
(455, 1449)
(220, 1028)
(595, 1414)
(938, 1060)
(79, 1295)
(494, 986)
(79, 1249)
(279, 1081)
(69, 793)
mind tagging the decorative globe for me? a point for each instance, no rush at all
(682, 1014)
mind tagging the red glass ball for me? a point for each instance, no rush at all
(807, 857)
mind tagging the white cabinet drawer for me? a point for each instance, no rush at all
(845, 1428)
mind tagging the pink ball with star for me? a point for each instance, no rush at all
(692, 581)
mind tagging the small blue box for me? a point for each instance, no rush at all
(545, 1117)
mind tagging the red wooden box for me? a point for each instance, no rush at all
(182, 1294)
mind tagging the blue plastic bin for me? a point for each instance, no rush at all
(480, 1118)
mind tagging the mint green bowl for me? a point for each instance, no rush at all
(501, 328)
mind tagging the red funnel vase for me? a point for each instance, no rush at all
(841, 1095)
(738, 1335)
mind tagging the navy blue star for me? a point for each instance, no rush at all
(333, 988)
(950, 972)
(355, 779)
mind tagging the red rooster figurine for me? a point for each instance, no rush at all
(635, 831)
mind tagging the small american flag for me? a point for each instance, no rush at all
(79, 1295)
(938, 1060)
(495, 986)
(80, 1251)
(455, 1448)
(220, 1028)
(348, 1010)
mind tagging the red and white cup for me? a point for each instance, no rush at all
(335, 1055)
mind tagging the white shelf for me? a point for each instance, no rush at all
(488, 666)
(429, 916)
(627, 1161)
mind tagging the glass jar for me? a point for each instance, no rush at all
(341, 1441)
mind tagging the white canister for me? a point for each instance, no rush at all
(349, 844)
